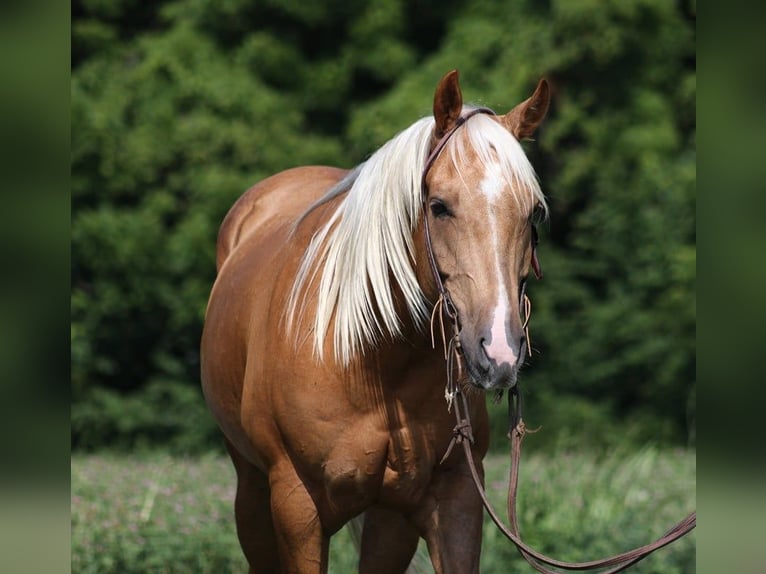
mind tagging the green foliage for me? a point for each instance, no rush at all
(164, 412)
(577, 507)
(565, 422)
(179, 106)
(153, 514)
(162, 514)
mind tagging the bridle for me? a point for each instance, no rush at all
(444, 304)
(444, 301)
(447, 304)
(463, 432)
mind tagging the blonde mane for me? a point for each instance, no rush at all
(367, 242)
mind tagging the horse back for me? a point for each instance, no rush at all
(279, 199)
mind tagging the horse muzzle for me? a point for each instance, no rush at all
(490, 368)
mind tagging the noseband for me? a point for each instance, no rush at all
(463, 433)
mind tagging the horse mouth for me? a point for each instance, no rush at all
(496, 377)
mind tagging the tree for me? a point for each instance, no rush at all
(178, 107)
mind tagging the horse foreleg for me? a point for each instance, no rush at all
(302, 544)
(451, 521)
(389, 541)
(253, 515)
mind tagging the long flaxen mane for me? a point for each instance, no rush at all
(368, 241)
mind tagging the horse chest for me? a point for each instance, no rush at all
(409, 465)
(390, 468)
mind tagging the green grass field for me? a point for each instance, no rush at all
(159, 514)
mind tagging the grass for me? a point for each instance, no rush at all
(160, 514)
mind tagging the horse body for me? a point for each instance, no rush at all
(318, 440)
(372, 434)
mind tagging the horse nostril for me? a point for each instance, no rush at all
(484, 361)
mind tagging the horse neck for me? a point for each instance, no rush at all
(415, 336)
(422, 266)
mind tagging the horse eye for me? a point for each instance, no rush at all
(439, 209)
(538, 215)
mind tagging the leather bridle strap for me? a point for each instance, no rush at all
(445, 301)
(463, 432)
(448, 305)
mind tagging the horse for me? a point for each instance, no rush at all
(316, 357)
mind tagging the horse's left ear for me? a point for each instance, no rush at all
(522, 121)
(448, 103)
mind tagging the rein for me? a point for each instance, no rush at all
(463, 431)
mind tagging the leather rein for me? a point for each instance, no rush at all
(463, 432)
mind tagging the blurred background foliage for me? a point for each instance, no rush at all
(177, 107)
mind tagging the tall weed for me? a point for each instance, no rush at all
(162, 514)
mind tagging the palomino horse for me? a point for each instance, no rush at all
(316, 356)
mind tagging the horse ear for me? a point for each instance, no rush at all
(522, 121)
(448, 103)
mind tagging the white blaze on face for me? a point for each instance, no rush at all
(498, 348)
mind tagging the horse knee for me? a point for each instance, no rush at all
(302, 543)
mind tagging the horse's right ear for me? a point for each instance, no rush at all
(448, 103)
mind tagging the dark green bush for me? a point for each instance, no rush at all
(179, 106)
(168, 413)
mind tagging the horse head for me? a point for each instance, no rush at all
(481, 201)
